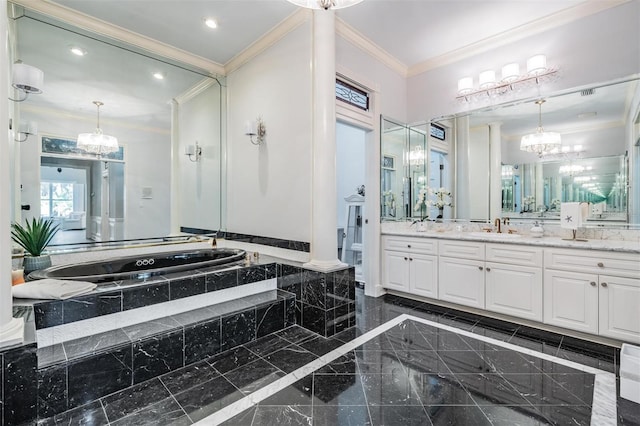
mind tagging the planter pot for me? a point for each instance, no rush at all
(33, 263)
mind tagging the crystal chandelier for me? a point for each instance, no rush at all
(97, 142)
(324, 4)
(540, 142)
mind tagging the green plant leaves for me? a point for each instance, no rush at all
(35, 235)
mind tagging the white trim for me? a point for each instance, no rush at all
(289, 24)
(194, 90)
(348, 33)
(104, 28)
(530, 29)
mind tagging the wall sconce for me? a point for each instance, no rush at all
(257, 129)
(26, 79)
(26, 130)
(488, 85)
(194, 152)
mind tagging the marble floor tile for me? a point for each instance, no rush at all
(253, 376)
(133, 399)
(185, 378)
(230, 360)
(290, 358)
(206, 398)
(166, 412)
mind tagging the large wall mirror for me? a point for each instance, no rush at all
(597, 127)
(158, 109)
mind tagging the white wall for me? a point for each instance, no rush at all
(596, 48)
(200, 182)
(350, 162)
(269, 186)
(147, 164)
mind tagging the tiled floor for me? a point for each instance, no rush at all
(406, 372)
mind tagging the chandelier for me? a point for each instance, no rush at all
(97, 142)
(540, 142)
(324, 4)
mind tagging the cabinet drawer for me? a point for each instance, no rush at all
(463, 249)
(598, 262)
(413, 245)
(514, 254)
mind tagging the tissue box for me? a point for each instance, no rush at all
(630, 373)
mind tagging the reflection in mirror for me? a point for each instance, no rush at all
(596, 126)
(154, 190)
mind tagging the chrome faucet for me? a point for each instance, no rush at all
(497, 223)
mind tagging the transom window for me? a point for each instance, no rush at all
(352, 95)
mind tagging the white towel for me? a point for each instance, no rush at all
(572, 215)
(49, 288)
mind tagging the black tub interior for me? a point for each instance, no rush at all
(144, 264)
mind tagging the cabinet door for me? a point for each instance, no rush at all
(423, 275)
(571, 300)
(461, 281)
(396, 270)
(514, 290)
(620, 308)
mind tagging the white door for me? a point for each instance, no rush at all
(571, 300)
(514, 290)
(461, 281)
(396, 270)
(423, 275)
(620, 308)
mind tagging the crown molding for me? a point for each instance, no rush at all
(194, 90)
(287, 25)
(555, 20)
(89, 23)
(350, 34)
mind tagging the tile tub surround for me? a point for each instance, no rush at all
(80, 371)
(124, 295)
(325, 302)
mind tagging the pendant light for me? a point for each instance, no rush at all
(97, 142)
(324, 4)
(540, 142)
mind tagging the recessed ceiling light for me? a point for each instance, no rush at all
(158, 75)
(77, 51)
(210, 22)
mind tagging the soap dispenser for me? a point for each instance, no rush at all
(537, 231)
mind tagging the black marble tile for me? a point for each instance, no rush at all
(230, 360)
(321, 345)
(167, 412)
(269, 318)
(206, 398)
(254, 376)
(187, 377)
(157, 355)
(342, 415)
(95, 343)
(50, 355)
(628, 412)
(314, 319)
(195, 316)
(401, 415)
(87, 383)
(505, 361)
(493, 389)
(251, 274)
(514, 415)
(48, 314)
(270, 271)
(138, 297)
(579, 385)
(201, 341)
(238, 329)
(221, 280)
(150, 328)
(243, 419)
(89, 414)
(314, 289)
(283, 415)
(19, 384)
(388, 389)
(344, 364)
(135, 398)
(578, 415)
(267, 345)
(454, 415)
(52, 391)
(468, 362)
(338, 389)
(298, 393)
(290, 358)
(187, 286)
(95, 305)
(290, 312)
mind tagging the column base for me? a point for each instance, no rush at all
(12, 334)
(325, 265)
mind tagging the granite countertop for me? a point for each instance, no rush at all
(550, 241)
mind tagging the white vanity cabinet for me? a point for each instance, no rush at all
(411, 265)
(594, 292)
(461, 272)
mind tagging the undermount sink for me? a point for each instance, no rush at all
(495, 235)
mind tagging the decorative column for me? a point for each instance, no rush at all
(495, 171)
(11, 329)
(175, 168)
(462, 193)
(324, 244)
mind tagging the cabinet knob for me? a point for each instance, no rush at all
(480, 267)
(488, 269)
(600, 265)
(410, 259)
(593, 283)
(603, 284)
(406, 258)
(409, 245)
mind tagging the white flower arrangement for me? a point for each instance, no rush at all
(422, 199)
(389, 199)
(528, 200)
(442, 198)
(555, 203)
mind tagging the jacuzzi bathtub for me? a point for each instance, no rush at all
(140, 266)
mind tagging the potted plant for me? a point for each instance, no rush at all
(34, 238)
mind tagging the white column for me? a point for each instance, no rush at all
(539, 186)
(175, 168)
(495, 171)
(11, 329)
(324, 244)
(462, 193)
